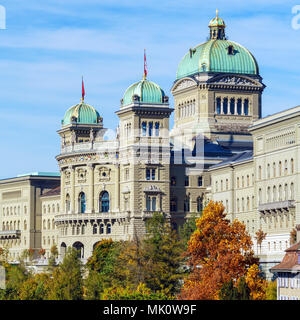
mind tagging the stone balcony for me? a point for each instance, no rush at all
(10, 234)
(91, 217)
(90, 147)
(284, 205)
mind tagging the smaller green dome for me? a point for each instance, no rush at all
(144, 91)
(82, 113)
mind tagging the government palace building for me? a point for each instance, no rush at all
(220, 148)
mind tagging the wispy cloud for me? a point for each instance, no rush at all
(49, 44)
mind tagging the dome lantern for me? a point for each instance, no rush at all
(217, 28)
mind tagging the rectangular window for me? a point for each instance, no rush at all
(153, 174)
(147, 174)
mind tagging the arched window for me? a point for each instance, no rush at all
(144, 128)
(292, 166)
(101, 228)
(286, 195)
(104, 202)
(280, 169)
(218, 107)
(150, 128)
(259, 196)
(239, 106)
(81, 202)
(292, 192)
(246, 107)
(156, 129)
(199, 204)
(225, 105)
(186, 204)
(280, 192)
(232, 103)
(108, 228)
(95, 229)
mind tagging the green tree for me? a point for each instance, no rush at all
(130, 293)
(15, 276)
(101, 268)
(231, 291)
(271, 291)
(187, 229)
(36, 288)
(228, 291)
(163, 253)
(67, 281)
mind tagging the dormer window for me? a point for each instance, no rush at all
(230, 50)
(135, 97)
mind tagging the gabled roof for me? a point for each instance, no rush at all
(289, 261)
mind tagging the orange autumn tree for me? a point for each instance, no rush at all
(218, 251)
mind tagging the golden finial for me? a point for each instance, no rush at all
(217, 13)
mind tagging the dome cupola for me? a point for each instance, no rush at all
(217, 55)
(144, 92)
(82, 113)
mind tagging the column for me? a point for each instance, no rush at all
(235, 106)
(242, 104)
(91, 188)
(62, 192)
(222, 105)
(72, 182)
(117, 188)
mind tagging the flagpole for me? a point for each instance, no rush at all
(82, 91)
(145, 65)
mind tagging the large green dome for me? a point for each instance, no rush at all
(144, 91)
(217, 55)
(82, 113)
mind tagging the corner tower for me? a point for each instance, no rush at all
(218, 89)
(144, 152)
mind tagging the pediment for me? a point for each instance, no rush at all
(183, 84)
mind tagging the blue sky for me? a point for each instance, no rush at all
(48, 45)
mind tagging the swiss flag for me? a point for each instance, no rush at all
(83, 91)
(145, 64)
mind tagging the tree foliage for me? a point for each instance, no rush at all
(219, 251)
(67, 281)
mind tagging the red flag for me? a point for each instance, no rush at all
(83, 91)
(145, 65)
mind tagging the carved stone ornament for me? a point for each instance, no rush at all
(81, 175)
(233, 80)
(152, 188)
(67, 177)
(104, 174)
(185, 84)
